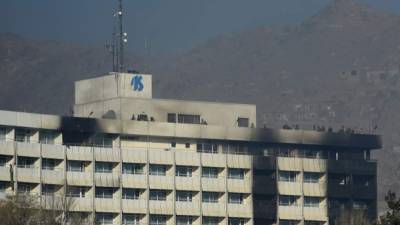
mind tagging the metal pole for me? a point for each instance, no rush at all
(121, 38)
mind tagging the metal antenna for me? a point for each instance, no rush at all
(122, 39)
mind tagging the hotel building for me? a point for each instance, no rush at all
(126, 158)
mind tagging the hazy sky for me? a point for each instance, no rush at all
(167, 25)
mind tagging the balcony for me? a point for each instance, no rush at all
(30, 175)
(353, 166)
(239, 186)
(213, 184)
(5, 173)
(161, 182)
(106, 179)
(187, 158)
(134, 181)
(28, 149)
(239, 161)
(315, 213)
(315, 165)
(161, 157)
(52, 202)
(161, 207)
(134, 155)
(79, 178)
(188, 208)
(213, 160)
(187, 183)
(264, 185)
(289, 188)
(53, 177)
(134, 206)
(107, 205)
(53, 151)
(79, 153)
(240, 210)
(214, 209)
(80, 204)
(7, 148)
(290, 212)
(107, 154)
(339, 191)
(315, 189)
(290, 164)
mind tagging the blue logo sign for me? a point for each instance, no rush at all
(137, 83)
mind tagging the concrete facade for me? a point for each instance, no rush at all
(209, 165)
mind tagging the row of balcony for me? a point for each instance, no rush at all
(194, 208)
(298, 213)
(137, 155)
(57, 177)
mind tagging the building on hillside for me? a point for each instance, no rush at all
(126, 158)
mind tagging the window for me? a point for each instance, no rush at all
(48, 189)
(3, 160)
(76, 191)
(309, 222)
(158, 220)
(103, 140)
(103, 167)
(184, 220)
(187, 145)
(339, 179)
(104, 218)
(236, 173)
(75, 166)
(310, 177)
(210, 197)
(48, 164)
(3, 134)
(210, 172)
(104, 192)
(184, 196)
(311, 201)
(157, 170)
(158, 195)
(359, 204)
(131, 219)
(26, 162)
(312, 154)
(235, 198)
(171, 118)
(173, 144)
(130, 193)
(243, 122)
(191, 119)
(287, 176)
(211, 220)
(47, 137)
(289, 222)
(132, 168)
(183, 171)
(288, 200)
(25, 188)
(3, 186)
(236, 221)
(23, 135)
(207, 148)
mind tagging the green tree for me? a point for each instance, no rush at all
(392, 216)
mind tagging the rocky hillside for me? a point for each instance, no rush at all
(339, 67)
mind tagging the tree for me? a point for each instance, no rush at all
(353, 217)
(392, 216)
(27, 210)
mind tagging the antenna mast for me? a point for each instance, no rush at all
(121, 38)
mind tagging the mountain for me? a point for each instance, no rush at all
(337, 68)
